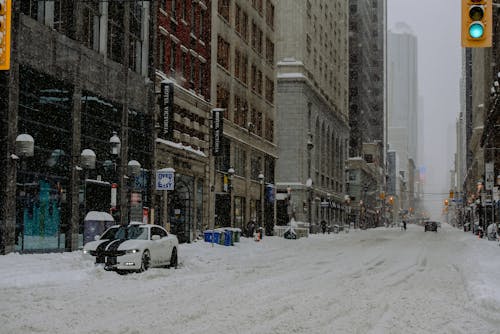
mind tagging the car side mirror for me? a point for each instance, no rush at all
(155, 237)
(96, 237)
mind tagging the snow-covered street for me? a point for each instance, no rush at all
(372, 281)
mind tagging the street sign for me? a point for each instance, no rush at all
(165, 179)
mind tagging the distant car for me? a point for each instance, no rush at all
(430, 226)
(135, 247)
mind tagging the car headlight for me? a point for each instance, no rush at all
(131, 251)
(86, 251)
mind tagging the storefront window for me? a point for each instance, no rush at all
(239, 212)
(42, 211)
(181, 210)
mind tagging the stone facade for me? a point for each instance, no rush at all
(313, 129)
(243, 84)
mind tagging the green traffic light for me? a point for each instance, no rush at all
(476, 30)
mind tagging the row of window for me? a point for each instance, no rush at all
(241, 23)
(224, 7)
(241, 69)
(183, 64)
(60, 15)
(245, 114)
(195, 16)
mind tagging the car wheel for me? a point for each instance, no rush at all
(146, 261)
(173, 259)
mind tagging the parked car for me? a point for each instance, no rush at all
(135, 247)
(430, 226)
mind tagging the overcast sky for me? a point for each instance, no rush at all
(437, 27)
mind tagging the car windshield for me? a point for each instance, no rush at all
(110, 233)
(132, 232)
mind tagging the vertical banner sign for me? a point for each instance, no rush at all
(489, 175)
(217, 131)
(167, 109)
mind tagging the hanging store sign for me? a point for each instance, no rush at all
(217, 131)
(167, 109)
(489, 175)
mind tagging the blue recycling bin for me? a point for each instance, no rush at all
(208, 235)
(212, 236)
(228, 238)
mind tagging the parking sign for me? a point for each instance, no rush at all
(165, 179)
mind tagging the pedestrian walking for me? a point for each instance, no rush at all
(250, 229)
(323, 226)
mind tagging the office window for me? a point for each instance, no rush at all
(269, 51)
(223, 53)
(91, 24)
(224, 9)
(269, 90)
(223, 100)
(270, 14)
(173, 56)
(161, 52)
(116, 33)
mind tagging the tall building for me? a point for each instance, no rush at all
(80, 77)
(366, 73)
(403, 109)
(183, 63)
(243, 85)
(312, 109)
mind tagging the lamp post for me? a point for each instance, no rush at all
(87, 159)
(115, 150)
(133, 170)
(230, 173)
(309, 182)
(329, 208)
(25, 148)
(115, 146)
(261, 182)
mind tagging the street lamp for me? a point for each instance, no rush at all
(25, 148)
(261, 181)
(230, 173)
(87, 160)
(133, 170)
(115, 146)
(309, 182)
(329, 207)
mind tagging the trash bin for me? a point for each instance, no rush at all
(237, 234)
(221, 236)
(208, 235)
(212, 236)
(228, 240)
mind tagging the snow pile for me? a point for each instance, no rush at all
(374, 281)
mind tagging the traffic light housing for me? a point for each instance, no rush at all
(5, 19)
(477, 21)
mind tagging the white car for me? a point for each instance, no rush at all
(135, 247)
